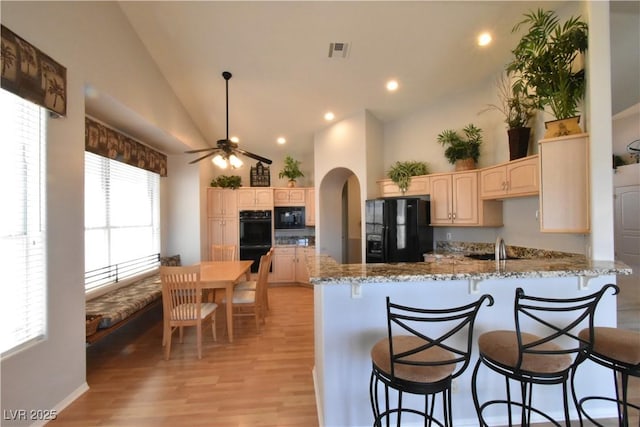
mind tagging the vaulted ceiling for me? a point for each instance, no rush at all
(283, 78)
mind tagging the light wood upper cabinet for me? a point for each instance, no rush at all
(564, 188)
(310, 207)
(221, 202)
(255, 198)
(514, 179)
(454, 201)
(289, 196)
(419, 186)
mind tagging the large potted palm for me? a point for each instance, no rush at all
(547, 63)
(518, 109)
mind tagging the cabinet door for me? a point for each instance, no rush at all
(264, 198)
(246, 198)
(222, 231)
(297, 196)
(302, 274)
(564, 184)
(522, 177)
(493, 182)
(310, 207)
(215, 202)
(281, 196)
(284, 265)
(441, 199)
(465, 198)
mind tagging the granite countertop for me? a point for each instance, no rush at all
(454, 266)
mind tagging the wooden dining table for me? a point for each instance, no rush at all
(225, 275)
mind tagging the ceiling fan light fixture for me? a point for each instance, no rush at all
(219, 161)
(235, 161)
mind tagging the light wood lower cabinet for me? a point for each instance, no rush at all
(454, 201)
(289, 265)
(564, 188)
(518, 178)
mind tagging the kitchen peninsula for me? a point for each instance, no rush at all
(350, 317)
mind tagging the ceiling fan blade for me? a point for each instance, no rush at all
(253, 156)
(202, 158)
(199, 150)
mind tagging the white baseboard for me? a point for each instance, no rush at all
(318, 398)
(65, 402)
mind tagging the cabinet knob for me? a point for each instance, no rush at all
(454, 215)
(449, 215)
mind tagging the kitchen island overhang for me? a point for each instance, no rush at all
(350, 317)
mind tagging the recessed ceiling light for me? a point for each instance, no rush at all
(281, 140)
(329, 116)
(484, 39)
(234, 139)
(392, 85)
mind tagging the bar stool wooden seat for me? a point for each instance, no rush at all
(618, 350)
(424, 351)
(544, 358)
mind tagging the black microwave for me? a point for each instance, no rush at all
(288, 217)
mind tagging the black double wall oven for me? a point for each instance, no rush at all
(255, 236)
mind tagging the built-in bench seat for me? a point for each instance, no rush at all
(121, 305)
(124, 304)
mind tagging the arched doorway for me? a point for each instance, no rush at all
(339, 232)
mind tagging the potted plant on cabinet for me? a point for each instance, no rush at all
(291, 171)
(227, 181)
(462, 152)
(401, 172)
(547, 60)
(518, 109)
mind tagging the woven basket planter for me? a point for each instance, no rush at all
(465, 164)
(92, 324)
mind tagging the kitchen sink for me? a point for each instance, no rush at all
(486, 257)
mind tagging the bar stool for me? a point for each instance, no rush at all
(536, 358)
(415, 361)
(618, 350)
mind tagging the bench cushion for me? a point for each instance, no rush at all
(119, 304)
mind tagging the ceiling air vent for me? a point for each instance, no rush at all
(338, 50)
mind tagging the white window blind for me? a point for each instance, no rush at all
(22, 229)
(122, 220)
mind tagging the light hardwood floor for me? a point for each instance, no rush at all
(260, 380)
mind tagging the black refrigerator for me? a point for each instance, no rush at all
(398, 230)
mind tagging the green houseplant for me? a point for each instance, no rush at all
(227, 181)
(462, 151)
(518, 109)
(401, 172)
(547, 62)
(291, 170)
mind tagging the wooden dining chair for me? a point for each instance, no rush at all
(182, 304)
(250, 285)
(250, 302)
(223, 252)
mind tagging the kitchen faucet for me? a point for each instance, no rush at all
(501, 250)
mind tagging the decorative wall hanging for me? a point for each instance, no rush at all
(260, 176)
(106, 142)
(32, 75)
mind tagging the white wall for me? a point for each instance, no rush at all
(98, 47)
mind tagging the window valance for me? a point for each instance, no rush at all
(107, 142)
(33, 75)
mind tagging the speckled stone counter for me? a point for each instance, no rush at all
(323, 270)
(350, 317)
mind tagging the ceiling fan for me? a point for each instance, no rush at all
(225, 150)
